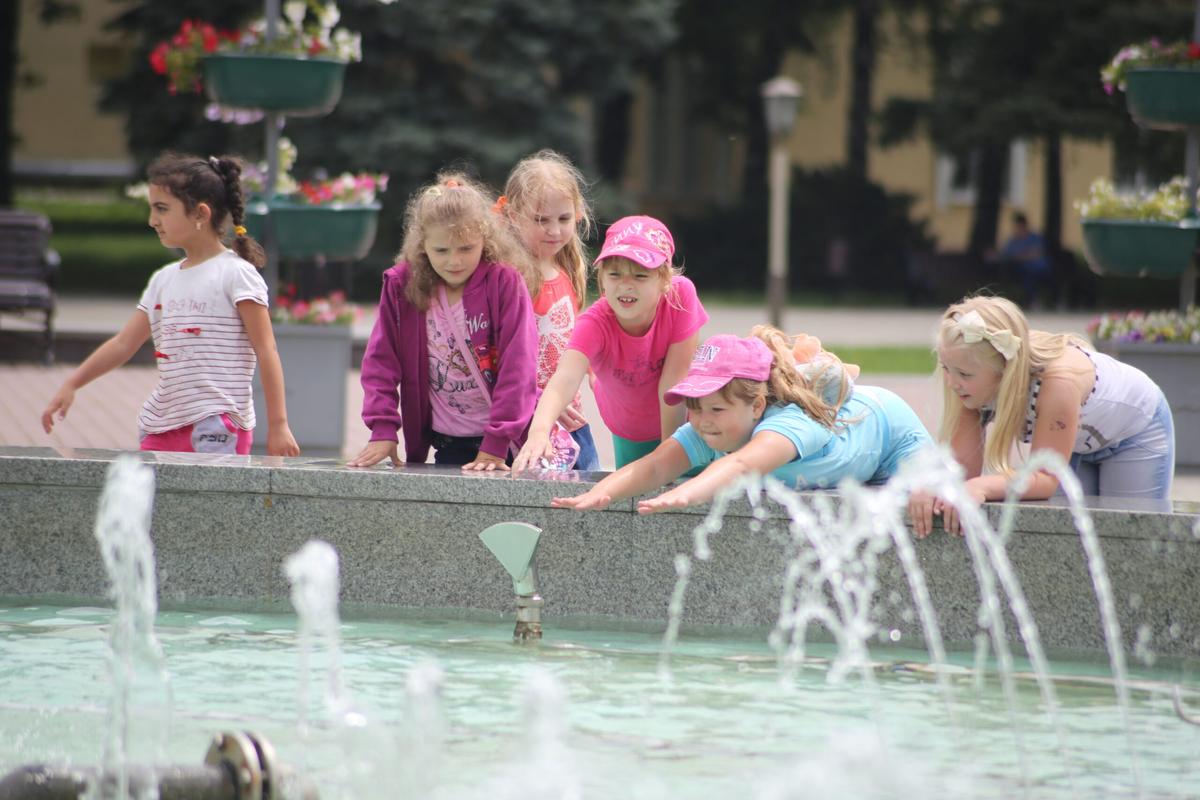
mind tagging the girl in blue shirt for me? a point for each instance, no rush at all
(751, 409)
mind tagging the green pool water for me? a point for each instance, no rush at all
(724, 725)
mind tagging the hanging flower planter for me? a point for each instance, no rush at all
(1163, 98)
(274, 83)
(336, 231)
(1140, 248)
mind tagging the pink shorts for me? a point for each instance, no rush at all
(216, 434)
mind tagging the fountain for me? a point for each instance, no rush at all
(877, 666)
(514, 544)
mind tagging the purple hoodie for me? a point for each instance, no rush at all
(397, 356)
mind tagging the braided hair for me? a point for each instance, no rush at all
(216, 182)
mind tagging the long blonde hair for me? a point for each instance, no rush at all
(1035, 352)
(465, 207)
(535, 176)
(785, 384)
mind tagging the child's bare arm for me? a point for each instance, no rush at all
(675, 367)
(257, 320)
(559, 391)
(763, 454)
(105, 358)
(664, 464)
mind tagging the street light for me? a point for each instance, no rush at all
(781, 98)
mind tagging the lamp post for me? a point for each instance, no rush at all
(781, 98)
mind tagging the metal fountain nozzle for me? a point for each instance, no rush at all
(514, 545)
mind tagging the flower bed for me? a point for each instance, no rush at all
(297, 71)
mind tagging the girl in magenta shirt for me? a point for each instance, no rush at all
(637, 340)
(451, 361)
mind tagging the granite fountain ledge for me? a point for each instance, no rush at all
(409, 538)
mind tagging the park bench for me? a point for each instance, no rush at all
(28, 268)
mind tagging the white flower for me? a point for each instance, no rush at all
(347, 45)
(294, 10)
(330, 16)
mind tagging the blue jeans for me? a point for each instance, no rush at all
(1142, 465)
(589, 459)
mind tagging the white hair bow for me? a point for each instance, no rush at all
(974, 329)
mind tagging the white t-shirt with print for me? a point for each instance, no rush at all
(205, 359)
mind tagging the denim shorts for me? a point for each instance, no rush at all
(1142, 465)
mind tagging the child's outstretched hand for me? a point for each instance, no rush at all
(61, 403)
(486, 462)
(667, 501)
(590, 500)
(375, 452)
(535, 448)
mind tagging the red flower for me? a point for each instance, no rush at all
(158, 58)
(1193, 50)
(209, 36)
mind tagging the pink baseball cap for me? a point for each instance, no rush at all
(643, 240)
(718, 361)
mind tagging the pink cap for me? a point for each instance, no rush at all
(718, 361)
(643, 240)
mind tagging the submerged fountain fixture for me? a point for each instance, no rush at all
(238, 766)
(514, 545)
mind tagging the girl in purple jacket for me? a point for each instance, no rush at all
(453, 356)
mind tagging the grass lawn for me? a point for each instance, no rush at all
(894, 360)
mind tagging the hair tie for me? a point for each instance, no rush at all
(215, 164)
(239, 231)
(499, 205)
(974, 329)
(452, 183)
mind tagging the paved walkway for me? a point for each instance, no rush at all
(105, 412)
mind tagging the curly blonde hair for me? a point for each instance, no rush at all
(785, 384)
(464, 206)
(548, 172)
(1035, 353)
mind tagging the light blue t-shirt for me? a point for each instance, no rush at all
(876, 432)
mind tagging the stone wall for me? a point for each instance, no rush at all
(409, 538)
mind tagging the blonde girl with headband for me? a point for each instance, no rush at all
(544, 201)
(636, 342)
(451, 359)
(208, 316)
(1005, 384)
(753, 410)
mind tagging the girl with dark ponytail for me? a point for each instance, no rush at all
(209, 318)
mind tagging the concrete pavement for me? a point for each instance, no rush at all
(105, 411)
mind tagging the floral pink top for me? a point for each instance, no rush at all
(554, 310)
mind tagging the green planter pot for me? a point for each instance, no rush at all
(337, 232)
(1140, 248)
(1163, 98)
(283, 84)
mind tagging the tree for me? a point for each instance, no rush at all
(476, 83)
(1025, 69)
(731, 50)
(49, 12)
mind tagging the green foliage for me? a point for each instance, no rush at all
(474, 83)
(1023, 68)
(105, 245)
(1167, 203)
(727, 247)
